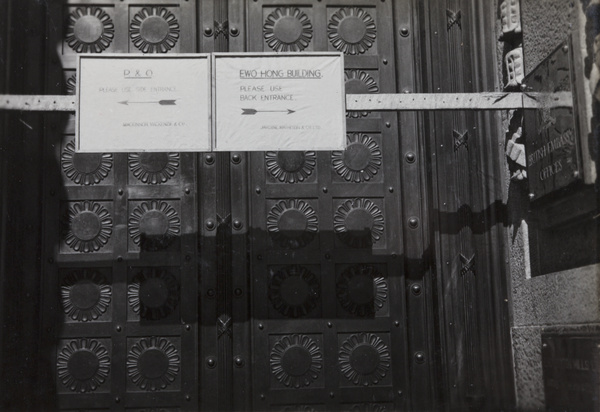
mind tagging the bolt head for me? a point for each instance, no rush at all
(413, 222)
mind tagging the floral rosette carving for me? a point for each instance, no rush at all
(287, 29)
(364, 359)
(85, 295)
(154, 30)
(153, 363)
(88, 226)
(83, 365)
(352, 30)
(360, 161)
(89, 29)
(296, 361)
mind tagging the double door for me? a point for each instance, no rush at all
(243, 280)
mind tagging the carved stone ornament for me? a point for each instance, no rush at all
(291, 166)
(89, 226)
(358, 223)
(153, 168)
(296, 361)
(352, 30)
(154, 30)
(85, 295)
(153, 293)
(294, 291)
(85, 169)
(595, 72)
(153, 363)
(514, 67)
(361, 290)
(292, 223)
(89, 29)
(516, 152)
(83, 365)
(364, 359)
(360, 161)
(287, 29)
(510, 15)
(154, 224)
(359, 82)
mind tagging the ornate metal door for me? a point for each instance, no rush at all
(328, 313)
(122, 262)
(175, 280)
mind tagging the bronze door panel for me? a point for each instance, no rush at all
(328, 321)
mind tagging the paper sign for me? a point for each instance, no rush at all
(279, 101)
(153, 104)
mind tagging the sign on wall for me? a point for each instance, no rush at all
(278, 101)
(157, 103)
(552, 138)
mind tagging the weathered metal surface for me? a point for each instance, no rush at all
(551, 134)
(361, 102)
(328, 294)
(35, 103)
(435, 101)
(571, 368)
(121, 262)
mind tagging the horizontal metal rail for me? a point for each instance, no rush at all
(371, 102)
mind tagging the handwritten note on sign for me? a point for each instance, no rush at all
(154, 104)
(283, 101)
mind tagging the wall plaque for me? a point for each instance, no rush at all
(571, 367)
(143, 103)
(552, 138)
(279, 101)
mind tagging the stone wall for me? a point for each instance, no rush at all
(569, 298)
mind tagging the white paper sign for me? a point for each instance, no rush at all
(279, 101)
(154, 103)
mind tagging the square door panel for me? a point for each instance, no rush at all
(85, 169)
(89, 29)
(362, 291)
(361, 161)
(86, 295)
(83, 365)
(154, 225)
(154, 364)
(87, 227)
(293, 224)
(291, 167)
(359, 223)
(153, 295)
(294, 291)
(364, 359)
(155, 29)
(352, 30)
(296, 361)
(154, 168)
(288, 29)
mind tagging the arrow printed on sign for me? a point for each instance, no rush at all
(254, 111)
(161, 102)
